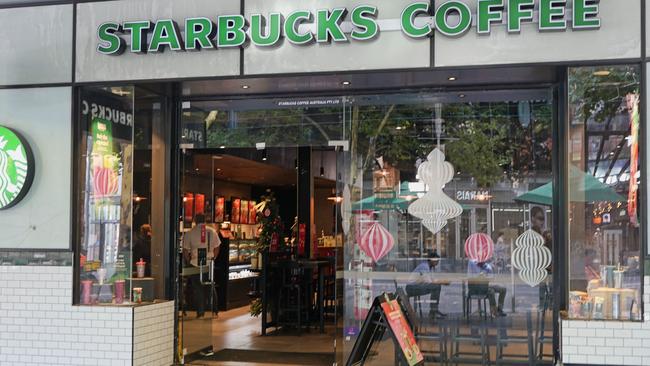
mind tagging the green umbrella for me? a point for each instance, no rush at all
(585, 188)
(375, 203)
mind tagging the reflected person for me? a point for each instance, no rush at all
(422, 283)
(484, 269)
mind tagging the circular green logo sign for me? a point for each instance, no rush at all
(16, 167)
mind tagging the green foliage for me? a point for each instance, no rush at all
(480, 150)
(268, 215)
(596, 93)
(256, 307)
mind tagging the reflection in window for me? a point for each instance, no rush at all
(450, 203)
(604, 178)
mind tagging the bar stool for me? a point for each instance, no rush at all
(479, 292)
(290, 312)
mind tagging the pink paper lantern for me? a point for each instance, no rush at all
(377, 242)
(105, 182)
(479, 247)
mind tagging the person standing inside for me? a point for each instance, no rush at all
(200, 246)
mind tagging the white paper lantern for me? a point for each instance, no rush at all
(531, 258)
(435, 208)
(346, 210)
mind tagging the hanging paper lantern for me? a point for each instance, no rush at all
(377, 242)
(531, 258)
(435, 208)
(479, 247)
(105, 182)
(346, 210)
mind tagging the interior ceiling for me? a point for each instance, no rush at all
(334, 83)
(244, 171)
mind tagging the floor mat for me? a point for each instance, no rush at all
(296, 358)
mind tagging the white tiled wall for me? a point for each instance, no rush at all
(608, 342)
(154, 334)
(39, 326)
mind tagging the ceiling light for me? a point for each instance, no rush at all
(245, 87)
(602, 73)
(222, 147)
(218, 169)
(461, 95)
(398, 128)
(346, 83)
(452, 78)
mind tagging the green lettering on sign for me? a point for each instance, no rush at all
(291, 27)
(16, 168)
(456, 7)
(363, 19)
(231, 31)
(329, 26)
(165, 34)
(408, 20)
(518, 11)
(109, 42)
(199, 33)
(138, 34)
(489, 11)
(258, 25)
(551, 15)
(585, 14)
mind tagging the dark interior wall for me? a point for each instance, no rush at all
(287, 201)
(323, 212)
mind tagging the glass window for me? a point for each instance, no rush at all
(448, 202)
(122, 236)
(604, 176)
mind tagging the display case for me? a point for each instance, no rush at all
(240, 278)
(240, 251)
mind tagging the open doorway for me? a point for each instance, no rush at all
(272, 211)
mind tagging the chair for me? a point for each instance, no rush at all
(546, 299)
(471, 335)
(291, 306)
(479, 291)
(503, 340)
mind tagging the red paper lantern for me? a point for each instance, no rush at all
(479, 247)
(377, 242)
(105, 182)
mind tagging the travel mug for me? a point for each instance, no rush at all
(119, 291)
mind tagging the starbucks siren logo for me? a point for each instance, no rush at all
(16, 168)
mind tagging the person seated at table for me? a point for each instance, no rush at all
(484, 269)
(422, 283)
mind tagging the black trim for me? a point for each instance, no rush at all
(560, 208)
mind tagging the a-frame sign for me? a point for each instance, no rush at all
(387, 314)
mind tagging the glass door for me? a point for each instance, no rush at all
(199, 250)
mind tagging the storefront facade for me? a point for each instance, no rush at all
(499, 143)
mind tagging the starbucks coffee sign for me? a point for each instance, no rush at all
(338, 25)
(16, 168)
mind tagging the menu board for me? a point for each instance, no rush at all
(244, 212)
(219, 209)
(386, 314)
(188, 207)
(235, 214)
(199, 200)
(252, 212)
(402, 331)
